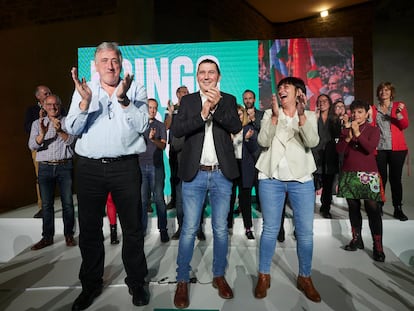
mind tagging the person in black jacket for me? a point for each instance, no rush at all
(33, 113)
(208, 165)
(326, 157)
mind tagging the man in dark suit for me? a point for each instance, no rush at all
(206, 120)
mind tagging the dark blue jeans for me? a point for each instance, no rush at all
(153, 182)
(49, 176)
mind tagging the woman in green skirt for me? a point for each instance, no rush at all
(360, 179)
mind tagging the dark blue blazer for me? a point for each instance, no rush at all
(189, 124)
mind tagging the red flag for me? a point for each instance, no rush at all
(302, 65)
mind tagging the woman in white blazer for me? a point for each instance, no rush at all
(285, 168)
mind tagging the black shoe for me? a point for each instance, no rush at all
(355, 243)
(140, 296)
(164, 236)
(114, 234)
(39, 214)
(170, 205)
(85, 299)
(249, 235)
(70, 241)
(44, 242)
(326, 215)
(378, 255)
(398, 213)
(281, 235)
(176, 235)
(201, 236)
(236, 211)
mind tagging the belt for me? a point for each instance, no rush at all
(209, 168)
(56, 162)
(111, 160)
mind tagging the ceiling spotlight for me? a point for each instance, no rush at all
(324, 13)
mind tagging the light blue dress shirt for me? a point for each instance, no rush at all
(106, 129)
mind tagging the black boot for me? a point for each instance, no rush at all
(356, 241)
(398, 213)
(377, 250)
(114, 235)
(281, 235)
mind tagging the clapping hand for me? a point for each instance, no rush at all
(249, 134)
(275, 109)
(124, 86)
(81, 86)
(400, 107)
(151, 134)
(56, 124)
(42, 127)
(300, 103)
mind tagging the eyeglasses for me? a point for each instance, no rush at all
(339, 107)
(110, 111)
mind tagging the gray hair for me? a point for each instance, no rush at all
(109, 46)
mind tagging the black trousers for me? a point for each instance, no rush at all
(390, 165)
(94, 181)
(245, 201)
(174, 180)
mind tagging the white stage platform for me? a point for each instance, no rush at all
(48, 279)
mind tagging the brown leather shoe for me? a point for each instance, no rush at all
(70, 241)
(263, 283)
(44, 242)
(223, 287)
(305, 285)
(181, 300)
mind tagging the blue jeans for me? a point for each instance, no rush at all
(49, 176)
(302, 201)
(153, 182)
(179, 207)
(193, 194)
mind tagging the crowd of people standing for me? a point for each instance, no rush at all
(218, 150)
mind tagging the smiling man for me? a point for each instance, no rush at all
(54, 151)
(206, 120)
(110, 116)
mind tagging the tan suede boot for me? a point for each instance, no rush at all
(263, 283)
(306, 286)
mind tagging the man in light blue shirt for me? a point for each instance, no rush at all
(110, 117)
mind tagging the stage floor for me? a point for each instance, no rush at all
(48, 279)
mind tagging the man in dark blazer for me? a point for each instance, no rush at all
(206, 120)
